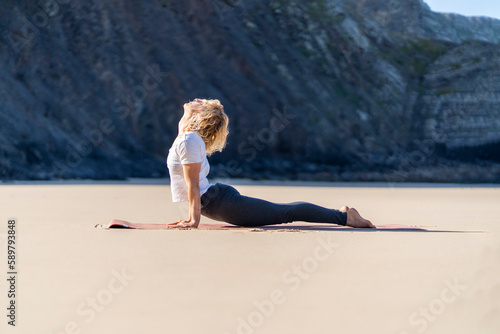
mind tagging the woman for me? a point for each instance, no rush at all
(203, 131)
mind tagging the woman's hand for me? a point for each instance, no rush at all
(183, 224)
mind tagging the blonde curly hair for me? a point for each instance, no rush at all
(211, 123)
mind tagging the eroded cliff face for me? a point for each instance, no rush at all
(461, 101)
(456, 60)
(327, 90)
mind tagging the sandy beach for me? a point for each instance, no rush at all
(74, 278)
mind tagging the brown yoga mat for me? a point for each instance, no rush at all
(295, 226)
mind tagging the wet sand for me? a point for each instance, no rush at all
(74, 278)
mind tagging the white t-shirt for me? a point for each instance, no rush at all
(188, 148)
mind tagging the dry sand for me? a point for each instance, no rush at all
(74, 278)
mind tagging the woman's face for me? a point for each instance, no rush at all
(190, 109)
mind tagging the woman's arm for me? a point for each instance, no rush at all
(192, 178)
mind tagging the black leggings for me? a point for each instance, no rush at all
(224, 203)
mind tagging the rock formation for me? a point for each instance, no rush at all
(324, 90)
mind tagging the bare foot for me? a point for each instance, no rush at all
(345, 208)
(354, 219)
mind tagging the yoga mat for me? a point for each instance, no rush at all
(296, 226)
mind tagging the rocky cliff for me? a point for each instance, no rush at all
(328, 90)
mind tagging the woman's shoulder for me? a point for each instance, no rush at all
(192, 136)
(191, 139)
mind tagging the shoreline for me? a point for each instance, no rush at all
(249, 182)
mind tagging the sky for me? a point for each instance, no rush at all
(467, 7)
